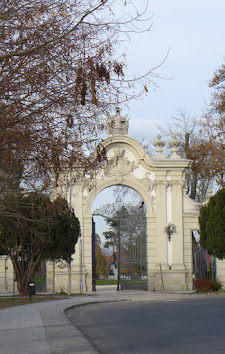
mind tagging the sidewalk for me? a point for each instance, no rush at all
(44, 328)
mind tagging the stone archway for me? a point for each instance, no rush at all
(159, 182)
(87, 217)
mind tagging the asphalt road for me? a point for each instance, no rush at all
(176, 327)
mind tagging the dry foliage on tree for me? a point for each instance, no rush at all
(59, 74)
(203, 141)
(188, 132)
(218, 102)
(198, 144)
(214, 124)
(101, 263)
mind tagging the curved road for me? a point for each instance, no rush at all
(188, 326)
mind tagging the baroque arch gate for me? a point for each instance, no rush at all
(160, 183)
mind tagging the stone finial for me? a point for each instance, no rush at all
(209, 194)
(173, 144)
(117, 125)
(159, 145)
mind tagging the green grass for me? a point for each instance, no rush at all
(106, 281)
(112, 281)
(16, 300)
(39, 280)
(23, 300)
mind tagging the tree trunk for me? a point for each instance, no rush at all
(22, 284)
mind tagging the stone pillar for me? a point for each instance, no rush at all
(7, 284)
(77, 280)
(160, 187)
(87, 252)
(178, 274)
(161, 218)
(177, 220)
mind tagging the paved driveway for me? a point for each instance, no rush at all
(44, 328)
(171, 326)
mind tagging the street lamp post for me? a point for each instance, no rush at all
(93, 257)
(118, 278)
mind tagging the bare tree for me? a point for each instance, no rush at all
(214, 122)
(59, 75)
(196, 146)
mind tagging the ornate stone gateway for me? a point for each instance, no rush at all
(170, 214)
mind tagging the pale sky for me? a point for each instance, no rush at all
(194, 32)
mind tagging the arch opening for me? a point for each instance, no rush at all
(121, 239)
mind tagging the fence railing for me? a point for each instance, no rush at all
(204, 265)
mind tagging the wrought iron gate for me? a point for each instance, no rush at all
(40, 278)
(130, 257)
(204, 265)
(133, 253)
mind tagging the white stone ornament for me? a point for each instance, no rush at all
(173, 144)
(159, 145)
(117, 124)
(120, 163)
(209, 194)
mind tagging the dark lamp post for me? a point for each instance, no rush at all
(114, 258)
(118, 279)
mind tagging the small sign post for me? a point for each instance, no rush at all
(31, 289)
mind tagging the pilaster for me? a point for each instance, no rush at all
(87, 251)
(176, 185)
(160, 190)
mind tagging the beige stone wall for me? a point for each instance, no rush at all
(171, 279)
(190, 222)
(221, 271)
(7, 284)
(62, 278)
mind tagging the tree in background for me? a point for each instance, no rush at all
(203, 141)
(34, 229)
(212, 225)
(197, 145)
(111, 236)
(132, 223)
(218, 101)
(111, 239)
(64, 231)
(101, 263)
(127, 203)
(214, 123)
(132, 226)
(59, 75)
